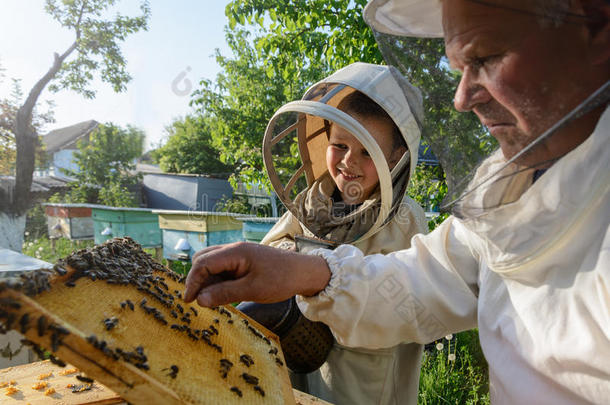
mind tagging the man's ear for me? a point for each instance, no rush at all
(598, 23)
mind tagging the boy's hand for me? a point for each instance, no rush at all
(251, 272)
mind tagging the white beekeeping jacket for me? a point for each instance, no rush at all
(533, 275)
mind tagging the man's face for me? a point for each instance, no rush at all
(519, 77)
(349, 163)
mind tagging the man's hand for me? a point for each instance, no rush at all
(251, 272)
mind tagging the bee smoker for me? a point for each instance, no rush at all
(305, 344)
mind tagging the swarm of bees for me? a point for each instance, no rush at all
(149, 290)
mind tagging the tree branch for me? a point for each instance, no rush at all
(26, 137)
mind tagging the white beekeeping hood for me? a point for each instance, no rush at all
(411, 18)
(301, 128)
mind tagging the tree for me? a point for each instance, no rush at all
(8, 113)
(238, 105)
(189, 149)
(334, 32)
(105, 166)
(95, 49)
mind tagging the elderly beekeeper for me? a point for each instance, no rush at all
(526, 255)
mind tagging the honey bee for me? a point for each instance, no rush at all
(24, 322)
(173, 370)
(84, 379)
(56, 361)
(246, 359)
(250, 379)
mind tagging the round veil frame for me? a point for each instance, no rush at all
(338, 117)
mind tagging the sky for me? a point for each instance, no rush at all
(166, 62)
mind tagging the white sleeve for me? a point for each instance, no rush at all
(414, 295)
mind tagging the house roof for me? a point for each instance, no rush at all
(426, 156)
(51, 182)
(147, 168)
(39, 184)
(66, 137)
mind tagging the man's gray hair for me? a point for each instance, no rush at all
(553, 12)
(549, 12)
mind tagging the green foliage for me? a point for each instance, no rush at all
(41, 248)
(36, 222)
(314, 30)
(97, 43)
(116, 195)
(105, 163)
(95, 49)
(237, 204)
(189, 149)
(293, 35)
(8, 113)
(238, 105)
(178, 266)
(454, 371)
(427, 186)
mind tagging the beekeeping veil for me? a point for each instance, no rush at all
(480, 183)
(297, 135)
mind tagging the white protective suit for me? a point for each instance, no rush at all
(533, 275)
(388, 375)
(359, 375)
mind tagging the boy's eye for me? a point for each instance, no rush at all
(365, 153)
(339, 146)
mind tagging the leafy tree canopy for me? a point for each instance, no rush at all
(8, 112)
(334, 33)
(106, 162)
(95, 49)
(189, 149)
(238, 105)
(97, 41)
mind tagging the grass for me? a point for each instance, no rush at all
(454, 370)
(50, 251)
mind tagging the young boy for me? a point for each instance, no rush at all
(343, 204)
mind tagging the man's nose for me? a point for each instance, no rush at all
(470, 92)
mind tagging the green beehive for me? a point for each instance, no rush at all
(255, 229)
(141, 224)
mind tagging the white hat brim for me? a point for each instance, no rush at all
(411, 18)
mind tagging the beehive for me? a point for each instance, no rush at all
(116, 314)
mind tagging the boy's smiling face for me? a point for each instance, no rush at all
(349, 163)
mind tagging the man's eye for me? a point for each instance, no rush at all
(339, 146)
(365, 153)
(478, 63)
